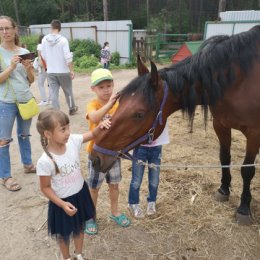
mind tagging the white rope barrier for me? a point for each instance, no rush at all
(170, 166)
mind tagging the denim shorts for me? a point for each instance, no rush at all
(113, 176)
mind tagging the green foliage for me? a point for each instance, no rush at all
(30, 42)
(86, 62)
(85, 47)
(132, 63)
(115, 59)
(181, 16)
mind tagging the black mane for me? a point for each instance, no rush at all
(213, 67)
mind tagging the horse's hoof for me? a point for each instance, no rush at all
(221, 197)
(244, 219)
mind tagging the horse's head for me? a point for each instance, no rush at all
(138, 110)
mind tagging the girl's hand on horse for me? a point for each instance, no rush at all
(105, 124)
(69, 209)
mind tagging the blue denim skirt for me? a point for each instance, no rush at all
(63, 226)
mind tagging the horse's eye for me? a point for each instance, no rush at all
(139, 115)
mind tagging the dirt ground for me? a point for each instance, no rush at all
(189, 225)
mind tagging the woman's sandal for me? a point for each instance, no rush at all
(29, 168)
(91, 227)
(121, 220)
(11, 184)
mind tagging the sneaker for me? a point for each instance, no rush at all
(43, 103)
(135, 210)
(151, 209)
(78, 257)
(73, 111)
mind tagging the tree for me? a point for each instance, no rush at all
(105, 9)
(222, 6)
(16, 12)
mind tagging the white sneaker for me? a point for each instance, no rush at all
(78, 257)
(151, 208)
(135, 210)
(43, 103)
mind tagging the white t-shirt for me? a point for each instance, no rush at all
(163, 138)
(69, 181)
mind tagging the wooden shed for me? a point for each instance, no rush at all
(186, 50)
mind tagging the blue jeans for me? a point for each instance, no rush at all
(148, 155)
(106, 65)
(8, 113)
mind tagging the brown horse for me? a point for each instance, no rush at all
(223, 76)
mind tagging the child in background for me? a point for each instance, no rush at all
(103, 106)
(151, 154)
(105, 55)
(42, 75)
(61, 181)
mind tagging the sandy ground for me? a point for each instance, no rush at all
(189, 224)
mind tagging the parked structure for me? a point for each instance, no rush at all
(232, 22)
(186, 50)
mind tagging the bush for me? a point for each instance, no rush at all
(85, 47)
(115, 59)
(30, 41)
(86, 62)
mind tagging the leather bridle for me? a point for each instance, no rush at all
(123, 153)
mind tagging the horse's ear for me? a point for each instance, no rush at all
(142, 69)
(154, 75)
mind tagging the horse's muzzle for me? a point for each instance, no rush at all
(101, 162)
(96, 163)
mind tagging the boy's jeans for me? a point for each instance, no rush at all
(147, 155)
(8, 113)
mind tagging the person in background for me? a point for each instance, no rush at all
(16, 76)
(61, 180)
(56, 53)
(42, 75)
(151, 154)
(105, 56)
(98, 109)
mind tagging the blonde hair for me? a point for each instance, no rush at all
(13, 23)
(47, 121)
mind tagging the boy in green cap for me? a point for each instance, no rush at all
(104, 105)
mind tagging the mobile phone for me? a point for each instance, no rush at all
(28, 56)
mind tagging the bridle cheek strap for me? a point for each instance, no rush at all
(148, 136)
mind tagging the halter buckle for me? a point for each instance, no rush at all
(151, 135)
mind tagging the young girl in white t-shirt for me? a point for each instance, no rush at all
(61, 181)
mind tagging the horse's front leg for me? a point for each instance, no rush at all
(243, 212)
(224, 136)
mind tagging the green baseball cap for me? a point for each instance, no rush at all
(99, 75)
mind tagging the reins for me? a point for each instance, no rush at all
(148, 136)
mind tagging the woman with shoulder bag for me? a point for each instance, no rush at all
(16, 75)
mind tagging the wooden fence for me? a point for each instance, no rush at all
(160, 46)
